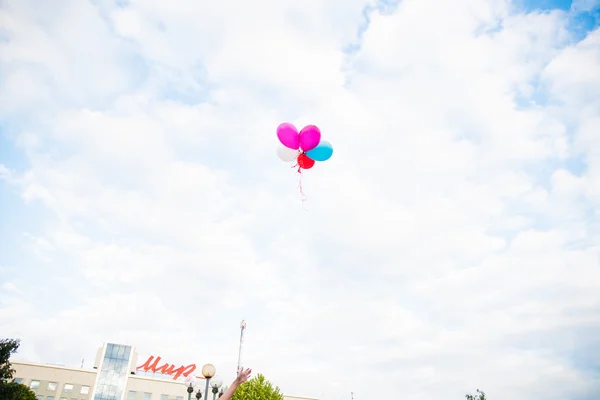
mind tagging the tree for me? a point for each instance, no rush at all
(15, 391)
(11, 390)
(479, 396)
(257, 388)
(7, 348)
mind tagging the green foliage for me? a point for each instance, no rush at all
(479, 396)
(257, 388)
(11, 390)
(7, 348)
(15, 391)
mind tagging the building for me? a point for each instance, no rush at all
(116, 375)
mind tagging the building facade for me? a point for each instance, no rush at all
(116, 375)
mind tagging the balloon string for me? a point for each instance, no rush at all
(302, 196)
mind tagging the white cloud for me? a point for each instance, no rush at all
(4, 172)
(584, 5)
(450, 243)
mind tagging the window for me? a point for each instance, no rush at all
(63, 398)
(131, 395)
(85, 389)
(52, 386)
(68, 388)
(18, 380)
(164, 397)
(179, 398)
(34, 384)
(39, 397)
(112, 372)
(49, 397)
(147, 396)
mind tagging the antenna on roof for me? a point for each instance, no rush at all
(82, 363)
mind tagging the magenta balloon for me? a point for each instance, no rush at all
(288, 135)
(310, 136)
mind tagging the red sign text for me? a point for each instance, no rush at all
(151, 364)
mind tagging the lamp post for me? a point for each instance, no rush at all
(208, 371)
(216, 383)
(190, 390)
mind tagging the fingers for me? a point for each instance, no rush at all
(244, 374)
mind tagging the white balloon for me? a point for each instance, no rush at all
(287, 154)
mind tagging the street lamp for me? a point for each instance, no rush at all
(222, 391)
(208, 371)
(216, 383)
(190, 389)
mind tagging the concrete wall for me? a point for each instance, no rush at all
(137, 387)
(142, 385)
(53, 379)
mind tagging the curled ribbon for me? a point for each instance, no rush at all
(302, 196)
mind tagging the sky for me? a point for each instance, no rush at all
(451, 243)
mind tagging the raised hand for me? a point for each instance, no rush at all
(243, 375)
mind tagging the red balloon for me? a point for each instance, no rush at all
(305, 162)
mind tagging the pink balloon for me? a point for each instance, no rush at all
(310, 136)
(288, 135)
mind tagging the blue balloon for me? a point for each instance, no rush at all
(322, 152)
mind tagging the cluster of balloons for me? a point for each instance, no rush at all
(304, 147)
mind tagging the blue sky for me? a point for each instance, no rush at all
(13, 211)
(547, 5)
(584, 16)
(450, 243)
